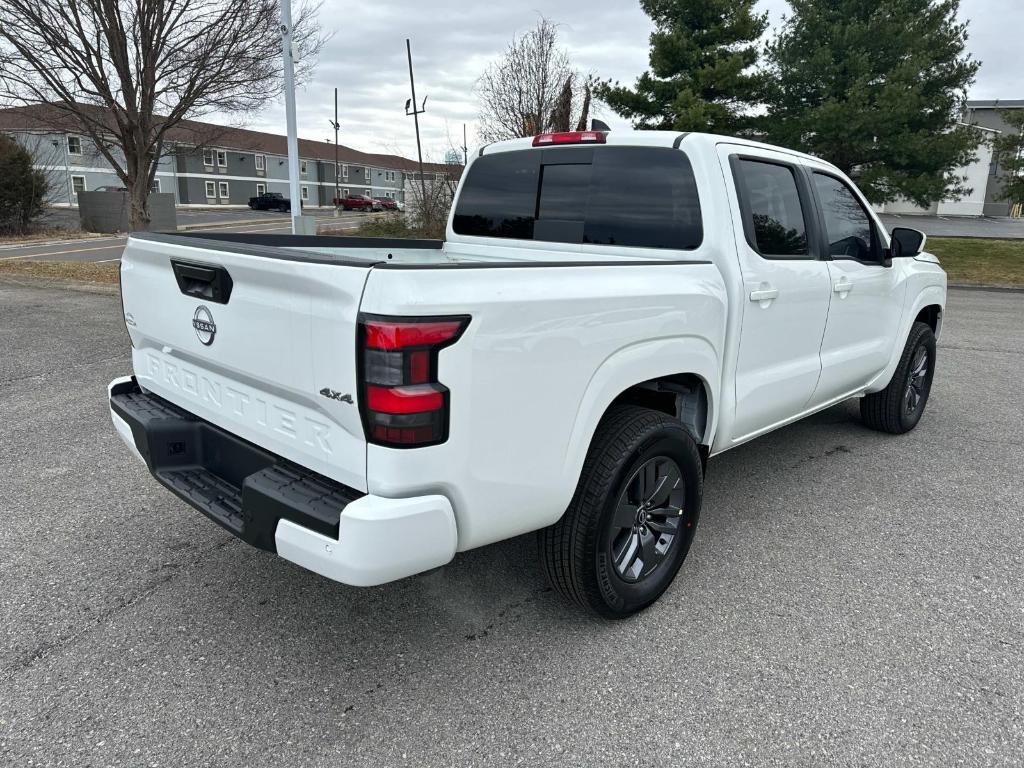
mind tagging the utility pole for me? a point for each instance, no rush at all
(465, 147)
(289, 107)
(416, 112)
(334, 122)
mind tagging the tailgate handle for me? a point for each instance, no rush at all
(203, 281)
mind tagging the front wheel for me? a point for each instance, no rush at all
(898, 407)
(632, 519)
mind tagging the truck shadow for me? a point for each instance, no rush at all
(489, 590)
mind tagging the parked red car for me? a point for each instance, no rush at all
(386, 203)
(355, 203)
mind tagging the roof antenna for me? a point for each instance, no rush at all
(599, 125)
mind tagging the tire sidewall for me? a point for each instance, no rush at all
(926, 339)
(622, 597)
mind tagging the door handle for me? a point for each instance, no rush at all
(764, 294)
(842, 286)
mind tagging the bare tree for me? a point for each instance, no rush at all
(532, 88)
(127, 72)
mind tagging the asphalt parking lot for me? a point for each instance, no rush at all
(850, 599)
(109, 248)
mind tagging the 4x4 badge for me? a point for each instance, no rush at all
(346, 398)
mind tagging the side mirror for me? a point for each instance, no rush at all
(907, 242)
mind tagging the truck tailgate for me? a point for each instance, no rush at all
(258, 341)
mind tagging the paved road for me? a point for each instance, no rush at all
(110, 248)
(959, 226)
(851, 599)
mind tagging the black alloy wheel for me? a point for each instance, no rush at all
(647, 517)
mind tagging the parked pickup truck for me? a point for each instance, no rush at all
(270, 201)
(606, 313)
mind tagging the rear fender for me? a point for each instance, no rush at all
(628, 367)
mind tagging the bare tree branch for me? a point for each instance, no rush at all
(125, 72)
(532, 88)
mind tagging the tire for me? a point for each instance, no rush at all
(898, 407)
(586, 555)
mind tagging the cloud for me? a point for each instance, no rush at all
(452, 42)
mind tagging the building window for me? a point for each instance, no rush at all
(366, 192)
(223, 189)
(74, 145)
(302, 168)
(367, 172)
(344, 193)
(261, 162)
(155, 186)
(261, 190)
(344, 171)
(211, 190)
(222, 158)
(305, 192)
(208, 157)
(78, 185)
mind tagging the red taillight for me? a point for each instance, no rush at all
(570, 137)
(403, 403)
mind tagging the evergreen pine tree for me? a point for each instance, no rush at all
(701, 77)
(875, 87)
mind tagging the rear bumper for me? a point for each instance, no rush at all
(315, 522)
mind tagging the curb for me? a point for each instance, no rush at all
(991, 288)
(44, 243)
(236, 222)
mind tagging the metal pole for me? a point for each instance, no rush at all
(465, 147)
(416, 119)
(337, 190)
(289, 108)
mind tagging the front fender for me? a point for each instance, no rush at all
(927, 296)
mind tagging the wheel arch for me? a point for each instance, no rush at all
(928, 307)
(678, 375)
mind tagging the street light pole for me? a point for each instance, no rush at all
(336, 125)
(416, 111)
(289, 107)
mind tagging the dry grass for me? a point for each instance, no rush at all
(979, 261)
(389, 225)
(78, 271)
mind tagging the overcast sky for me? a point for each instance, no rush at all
(452, 42)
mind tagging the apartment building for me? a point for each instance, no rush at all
(209, 165)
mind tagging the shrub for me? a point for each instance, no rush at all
(22, 189)
(392, 225)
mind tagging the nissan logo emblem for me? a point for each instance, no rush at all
(206, 329)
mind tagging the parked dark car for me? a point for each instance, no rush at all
(386, 203)
(270, 201)
(356, 203)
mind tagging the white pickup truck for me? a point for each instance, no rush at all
(606, 313)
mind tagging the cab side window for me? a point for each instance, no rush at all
(773, 209)
(847, 225)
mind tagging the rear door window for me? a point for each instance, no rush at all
(773, 209)
(627, 196)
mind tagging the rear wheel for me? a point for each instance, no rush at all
(630, 523)
(898, 407)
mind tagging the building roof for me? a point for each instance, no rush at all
(996, 104)
(194, 133)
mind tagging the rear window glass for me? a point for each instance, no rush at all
(628, 196)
